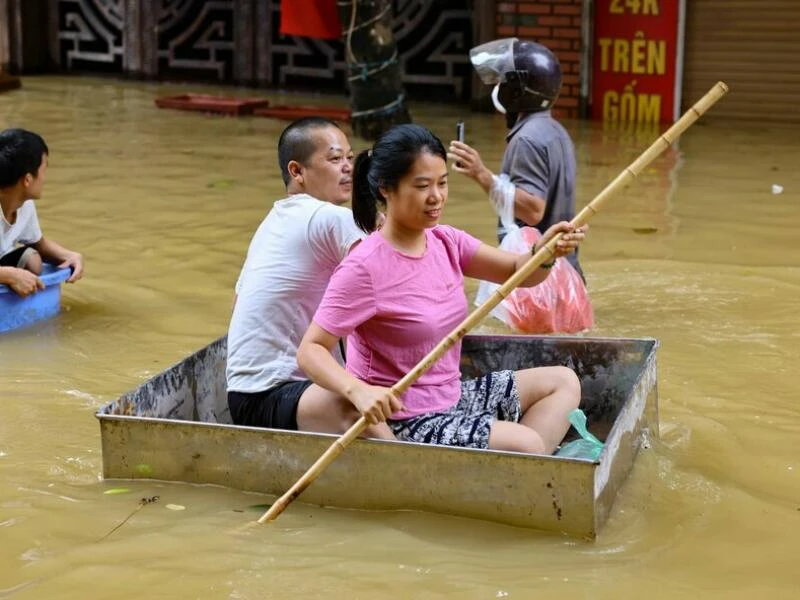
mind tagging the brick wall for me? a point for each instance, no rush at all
(557, 25)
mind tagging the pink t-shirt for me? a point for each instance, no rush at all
(395, 308)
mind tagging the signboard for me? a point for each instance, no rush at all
(637, 62)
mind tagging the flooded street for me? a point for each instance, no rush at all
(698, 253)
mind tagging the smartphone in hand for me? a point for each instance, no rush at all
(459, 135)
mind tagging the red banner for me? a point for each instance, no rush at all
(635, 69)
(317, 19)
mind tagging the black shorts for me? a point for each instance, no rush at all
(275, 408)
(16, 258)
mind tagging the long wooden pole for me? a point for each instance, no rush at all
(544, 253)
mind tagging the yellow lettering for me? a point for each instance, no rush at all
(656, 57)
(627, 105)
(649, 108)
(610, 102)
(629, 109)
(650, 7)
(605, 47)
(633, 5)
(620, 54)
(638, 55)
(645, 7)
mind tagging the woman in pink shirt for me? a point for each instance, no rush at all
(400, 292)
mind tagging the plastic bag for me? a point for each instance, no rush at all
(588, 446)
(560, 303)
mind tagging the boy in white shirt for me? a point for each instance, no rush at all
(23, 163)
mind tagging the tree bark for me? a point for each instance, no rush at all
(5, 48)
(377, 97)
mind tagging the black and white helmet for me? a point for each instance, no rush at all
(526, 75)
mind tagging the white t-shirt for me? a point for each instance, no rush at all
(25, 229)
(289, 263)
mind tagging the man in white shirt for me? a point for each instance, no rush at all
(289, 263)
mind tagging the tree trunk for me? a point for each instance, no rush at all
(7, 82)
(5, 48)
(377, 97)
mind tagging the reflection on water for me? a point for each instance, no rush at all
(698, 253)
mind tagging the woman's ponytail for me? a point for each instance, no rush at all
(365, 206)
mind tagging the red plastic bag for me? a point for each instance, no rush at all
(560, 303)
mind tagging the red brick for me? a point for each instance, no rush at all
(535, 32)
(570, 78)
(535, 9)
(575, 44)
(506, 31)
(576, 68)
(554, 21)
(567, 33)
(576, 21)
(506, 7)
(568, 57)
(555, 44)
(570, 9)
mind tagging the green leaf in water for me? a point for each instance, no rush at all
(221, 184)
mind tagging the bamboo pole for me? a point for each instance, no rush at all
(544, 253)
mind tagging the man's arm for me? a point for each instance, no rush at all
(527, 207)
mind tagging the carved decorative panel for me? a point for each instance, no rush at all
(433, 40)
(90, 35)
(199, 39)
(196, 39)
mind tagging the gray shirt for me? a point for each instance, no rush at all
(540, 159)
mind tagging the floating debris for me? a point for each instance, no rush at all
(221, 184)
(142, 503)
(176, 507)
(114, 491)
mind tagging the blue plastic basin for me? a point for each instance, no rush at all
(16, 312)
